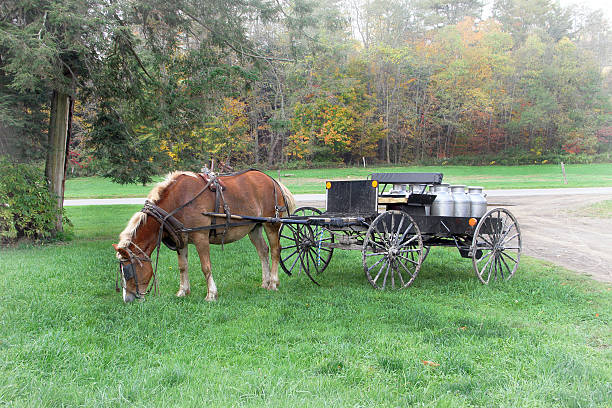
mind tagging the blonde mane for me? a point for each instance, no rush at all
(158, 191)
(155, 196)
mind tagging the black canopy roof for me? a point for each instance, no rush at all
(407, 178)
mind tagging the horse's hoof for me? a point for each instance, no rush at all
(265, 285)
(211, 297)
(272, 286)
(183, 292)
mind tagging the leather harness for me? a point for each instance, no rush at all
(172, 230)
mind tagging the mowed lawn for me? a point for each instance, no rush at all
(66, 339)
(602, 209)
(313, 180)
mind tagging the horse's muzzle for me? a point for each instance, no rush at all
(128, 296)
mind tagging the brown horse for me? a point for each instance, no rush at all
(251, 193)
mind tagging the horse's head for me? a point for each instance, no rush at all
(135, 269)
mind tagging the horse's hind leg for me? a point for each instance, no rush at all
(203, 246)
(259, 242)
(184, 288)
(272, 232)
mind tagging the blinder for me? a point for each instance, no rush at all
(128, 271)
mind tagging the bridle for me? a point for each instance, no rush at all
(127, 272)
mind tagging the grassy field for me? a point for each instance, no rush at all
(313, 180)
(66, 338)
(600, 209)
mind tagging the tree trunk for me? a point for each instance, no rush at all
(55, 169)
(254, 116)
(387, 139)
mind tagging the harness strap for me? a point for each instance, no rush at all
(217, 198)
(172, 226)
(228, 217)
(277, 208)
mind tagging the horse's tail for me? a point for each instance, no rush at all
(289, 199)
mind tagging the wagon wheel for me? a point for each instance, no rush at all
(321, 254)
(302, 246)
(392, 250)
(496, 246)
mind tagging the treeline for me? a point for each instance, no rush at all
(159, 85)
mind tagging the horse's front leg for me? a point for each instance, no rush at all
(184, 288)
(203, 246)
(272, 232)
(259, 243)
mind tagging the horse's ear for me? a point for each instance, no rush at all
(122, 251)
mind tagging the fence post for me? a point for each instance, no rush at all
(563, 172)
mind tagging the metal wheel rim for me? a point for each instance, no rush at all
(497, 254)
(398, 253)
(302, 249)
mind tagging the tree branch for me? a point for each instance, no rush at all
(280, 7)
(42, 26)
(131, 49)
(251, 53)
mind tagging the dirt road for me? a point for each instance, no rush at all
(554, 229)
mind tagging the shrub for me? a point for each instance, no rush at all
(27, 209)
(512, 157)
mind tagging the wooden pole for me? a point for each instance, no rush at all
(563, 172)
(55, 169)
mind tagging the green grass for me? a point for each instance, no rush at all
(66, 338)
(313, 180)
(98, 187)
(602, 209)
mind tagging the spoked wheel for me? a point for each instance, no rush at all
(392, 250)
(304, 247)
(496, 246)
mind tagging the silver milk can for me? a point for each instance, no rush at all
(443, 205)
(478, 202)
(420, 188)
(461, 200)
(398, 189)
